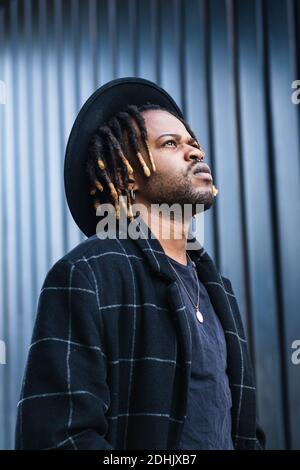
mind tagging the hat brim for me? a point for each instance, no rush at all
(103, 104)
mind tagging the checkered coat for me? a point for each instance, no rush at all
(110, 358)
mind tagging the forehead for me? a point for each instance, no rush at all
(160, 122)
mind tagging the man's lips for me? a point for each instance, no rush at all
(205, 176)
(201, 170)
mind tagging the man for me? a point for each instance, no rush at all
(138, 341)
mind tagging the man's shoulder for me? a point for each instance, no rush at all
(95, 252)
(227, 283)
(95, 246)
(91, 255)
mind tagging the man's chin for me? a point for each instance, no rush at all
(203, 204)
(193, 200)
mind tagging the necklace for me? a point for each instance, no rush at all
(197, 311)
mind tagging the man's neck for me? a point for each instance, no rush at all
(171, 232)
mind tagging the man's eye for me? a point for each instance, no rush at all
(171, 140)
(197, 146)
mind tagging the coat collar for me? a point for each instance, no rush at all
(155, 254)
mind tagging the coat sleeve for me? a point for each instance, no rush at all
(260, 442)
(65, 395)
(260, 437)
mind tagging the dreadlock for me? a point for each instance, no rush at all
(108, 169)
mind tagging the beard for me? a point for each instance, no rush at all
(179, 189)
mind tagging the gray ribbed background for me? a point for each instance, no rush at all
(230, 66)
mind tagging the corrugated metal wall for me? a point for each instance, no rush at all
(230, 66)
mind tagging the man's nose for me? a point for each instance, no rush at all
(194, 154)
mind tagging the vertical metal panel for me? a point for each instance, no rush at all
(38, 158)
(169, 48)
(3, 315)
(230, 65)
(148, 26)
(284, 129)
(126, 29)
(11, 213)
(226, 155)
(106, 40)
(196, 69)
(261, 269)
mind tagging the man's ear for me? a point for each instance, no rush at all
(132, 184)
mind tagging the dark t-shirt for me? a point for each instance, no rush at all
(208, 422)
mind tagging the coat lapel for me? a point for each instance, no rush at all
(213, 282)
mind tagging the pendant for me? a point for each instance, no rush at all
(199, 315)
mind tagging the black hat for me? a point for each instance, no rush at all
(102, 105)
